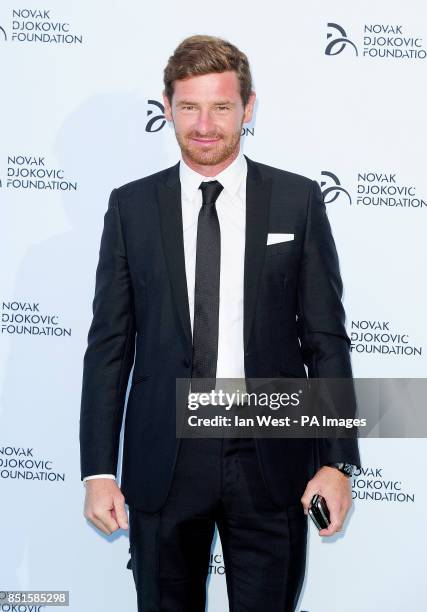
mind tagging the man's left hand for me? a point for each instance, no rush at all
(335, 487)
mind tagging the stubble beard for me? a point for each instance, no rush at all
(211, 156)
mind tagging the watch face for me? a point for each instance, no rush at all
(345, 468)
(348, 469)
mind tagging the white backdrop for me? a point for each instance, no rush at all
(346, 109)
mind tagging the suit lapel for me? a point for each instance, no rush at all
(258, 191)
(170, 208)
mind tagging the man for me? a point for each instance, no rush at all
(194, 280)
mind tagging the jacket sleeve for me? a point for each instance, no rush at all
(324, 341)
(110, 351)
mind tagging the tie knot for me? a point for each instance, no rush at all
(210, 191)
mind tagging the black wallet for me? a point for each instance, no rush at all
(318, 510)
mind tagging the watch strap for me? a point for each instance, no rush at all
(345, 468)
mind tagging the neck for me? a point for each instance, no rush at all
(211, 170)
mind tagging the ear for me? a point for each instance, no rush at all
(168, 108)
(249, 108)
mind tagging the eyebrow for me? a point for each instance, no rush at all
(219, 103)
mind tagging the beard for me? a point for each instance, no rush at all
(208, 155)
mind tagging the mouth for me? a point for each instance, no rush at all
(205, 141)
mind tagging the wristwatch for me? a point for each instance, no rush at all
(346, 468)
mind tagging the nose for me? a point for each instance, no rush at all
(205, 123)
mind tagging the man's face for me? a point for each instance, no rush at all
(208, 114)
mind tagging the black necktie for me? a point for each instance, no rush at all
(206, 290)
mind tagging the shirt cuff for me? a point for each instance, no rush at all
(109, 476)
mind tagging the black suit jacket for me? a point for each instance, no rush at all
(293, 315)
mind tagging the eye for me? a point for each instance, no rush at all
(223, 107)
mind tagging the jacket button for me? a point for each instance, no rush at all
(187, 362)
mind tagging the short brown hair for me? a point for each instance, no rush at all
(197, 55)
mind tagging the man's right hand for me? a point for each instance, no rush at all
(105, 505)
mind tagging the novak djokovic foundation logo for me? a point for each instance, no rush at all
(375, 40)
(332, 188)
(373, 484)
(26, 318)
(371, 189)
(38, 25)
(385, 189)
(34, 172)
(157, 121)
(379, 337)
(157, 116)
(22, 463)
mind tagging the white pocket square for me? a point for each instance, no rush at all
(274, 238)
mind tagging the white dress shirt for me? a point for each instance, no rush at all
(231, 210)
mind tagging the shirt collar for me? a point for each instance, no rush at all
(230, 178)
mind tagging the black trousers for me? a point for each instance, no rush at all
(218, 481)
